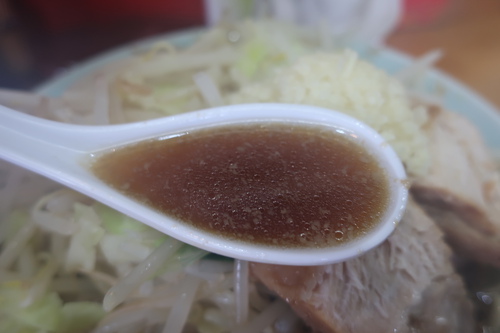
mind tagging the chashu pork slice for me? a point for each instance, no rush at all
(461, 192)
(407, 284)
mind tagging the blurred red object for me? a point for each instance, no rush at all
(422, 13)
(51, 35)
(59, 33)
(62, 15)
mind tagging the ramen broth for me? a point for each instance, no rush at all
(280, 185)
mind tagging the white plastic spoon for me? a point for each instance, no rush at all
(63, 152)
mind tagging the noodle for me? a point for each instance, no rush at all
(58, 246)
(15, 246)
(265, 318)
(26, 265)
(145, 270)
(241, 290)
(208, 89)
(6, 197)
(179, 313)
(122, 320)
(101, 104)
(169, 64)
(52, 212)
(102, 280)
(41, 283)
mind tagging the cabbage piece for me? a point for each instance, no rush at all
(140, 274)
(15, 221)
(126, 240)
(83, 244)
(183, 257)
(254, 54)
(12, 225)
(269, 46)
(115, 222)
(80, 317)
(129, 248)
(43, 315)
(48, 314)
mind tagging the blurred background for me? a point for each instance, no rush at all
(40, 38)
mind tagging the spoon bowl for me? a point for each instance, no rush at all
(64, 153)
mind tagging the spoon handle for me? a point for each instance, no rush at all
(40, 145)
(62, 151)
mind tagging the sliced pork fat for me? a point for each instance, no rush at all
(407, 284)
(461, 192)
